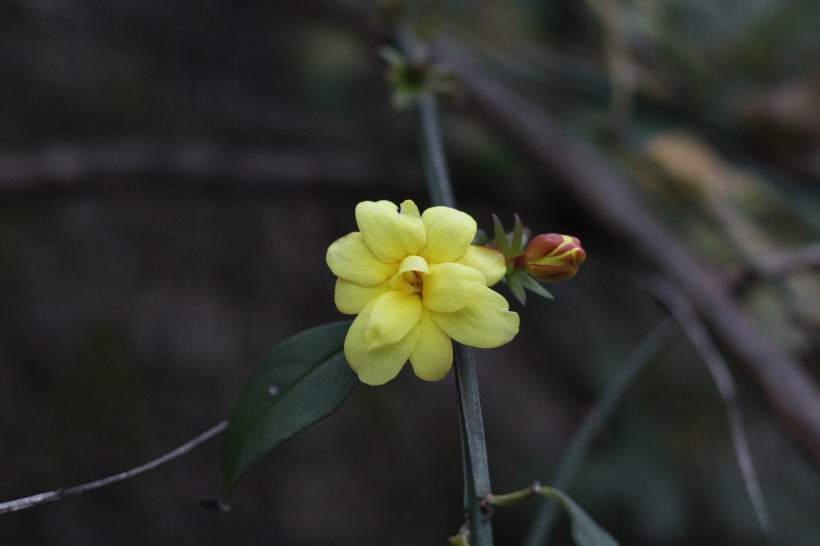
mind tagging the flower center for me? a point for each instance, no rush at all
(410, 276)
(413, 281)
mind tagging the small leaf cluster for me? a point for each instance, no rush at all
(512, 245)
(417, 77)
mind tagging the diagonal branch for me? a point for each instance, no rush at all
(590, 179)
(722, 377)
(59, 494)
(129, 164)
(647, 352)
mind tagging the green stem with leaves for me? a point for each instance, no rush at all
(474, 450)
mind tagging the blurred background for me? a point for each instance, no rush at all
(171, 174)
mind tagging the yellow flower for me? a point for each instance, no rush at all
(416, 282)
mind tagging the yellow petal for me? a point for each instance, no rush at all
(451, 286)
(376, 367)
(392, 316)
(409, 276)
(413, 263)
(351, 260)
(409, 207)
(486, 322)
(433, 356)
(390, 235)
(487, 260)
(449, 233)
(352, 298)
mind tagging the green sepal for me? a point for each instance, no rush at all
(500, 242)
(518, 235)
(531, 284)
(517, 289)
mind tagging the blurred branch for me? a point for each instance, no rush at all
(130, 164)
(719, 370)
(652, 345)
(723, 187)
(584, 173)
(791, 260)
(587, 175)
(59, 494)
(622, 69)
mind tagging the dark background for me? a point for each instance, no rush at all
(171, 174)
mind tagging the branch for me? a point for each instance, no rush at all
(722, 377)
(585, 173)
(647, 352)
(59, 494)
(135, 163)
(793, 260)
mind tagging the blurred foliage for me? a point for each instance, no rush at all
(133, 311)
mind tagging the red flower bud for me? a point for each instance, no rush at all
(553, 257)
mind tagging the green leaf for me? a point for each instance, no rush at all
(301, 381)
(585, 532)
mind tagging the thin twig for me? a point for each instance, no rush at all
(652, 345)
(59, 494)
(685, 314)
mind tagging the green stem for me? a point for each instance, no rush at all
(515, 497)
(474, 450)
(435, 162)
(649, 349)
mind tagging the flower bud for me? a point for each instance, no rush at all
(552, 257)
